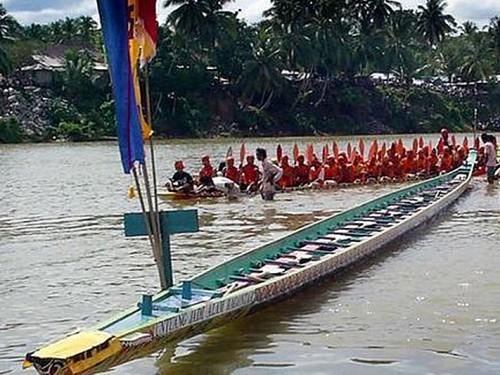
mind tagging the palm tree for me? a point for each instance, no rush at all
(494, 32)
(201, 20)
(261, 79)
(477, 62)
(400, 46)
(381, 11)
(8, 30)
(433, 24)
(469, 28)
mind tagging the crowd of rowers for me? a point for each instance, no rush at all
(383, 164)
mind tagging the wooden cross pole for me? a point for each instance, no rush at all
(171, 222)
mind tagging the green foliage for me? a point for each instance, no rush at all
(10, 131)
(301, 70)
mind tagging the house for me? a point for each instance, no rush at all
(47, 63)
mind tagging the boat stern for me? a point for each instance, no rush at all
(74, 354)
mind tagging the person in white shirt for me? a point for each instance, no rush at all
(270, 175)
(491, 156)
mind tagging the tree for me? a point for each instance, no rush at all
(433, 24)
(381, 11)
(494, 33)
(261, 79)
(469, 28)
(8, 30)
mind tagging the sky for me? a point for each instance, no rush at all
(45, 11)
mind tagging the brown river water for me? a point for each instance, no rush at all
(428, 304)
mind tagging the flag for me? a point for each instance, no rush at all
(143, 37)
(114, 15)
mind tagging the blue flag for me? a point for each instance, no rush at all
(115, 27)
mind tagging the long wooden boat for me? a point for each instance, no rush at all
(253, 279)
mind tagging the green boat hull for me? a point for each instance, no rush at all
(234, 288)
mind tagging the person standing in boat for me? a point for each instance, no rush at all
(271, 174)
(490, 156)
(181, 181)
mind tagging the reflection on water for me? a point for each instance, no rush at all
(426, 305)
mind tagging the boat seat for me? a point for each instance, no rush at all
(249, 278)
(300, 256)
(332, 245)
(340, 238)
(354, 233)
(287, 263)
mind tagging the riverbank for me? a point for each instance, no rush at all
(30, 113)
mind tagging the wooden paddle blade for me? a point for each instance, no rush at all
(324, 153)
(371, 151)
(421, 142)
(476, 143)
(309, 153)
(453, 141)
(465, 143)
(383, 150)
(375, 147)
(362, 148)
(279, 153)
(430, 145)
(353, 154)
(296, 151)
(242, 153)
(415, 146)
(229, 152)
(335, 150)
(400, 146)
(349, 150)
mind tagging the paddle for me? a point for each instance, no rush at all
(362, 148)
(421, 142)
(415, 146)
(296, 152)
(335, 150)
(349, 150)
(453, 141)
(324, 153)
(279, 153)
(242, 153)
(383, 150)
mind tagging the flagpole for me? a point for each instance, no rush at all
(148, 222)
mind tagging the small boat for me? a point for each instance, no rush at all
(253, 279)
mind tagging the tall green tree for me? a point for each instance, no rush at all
(494, 32)
(433, 23)
(8, 30)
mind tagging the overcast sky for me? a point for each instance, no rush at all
(44, 11)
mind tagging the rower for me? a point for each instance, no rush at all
(230, 171)
(288, 178)
(181, 181)
(249, 175)
(207, 172)
(301, 172)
